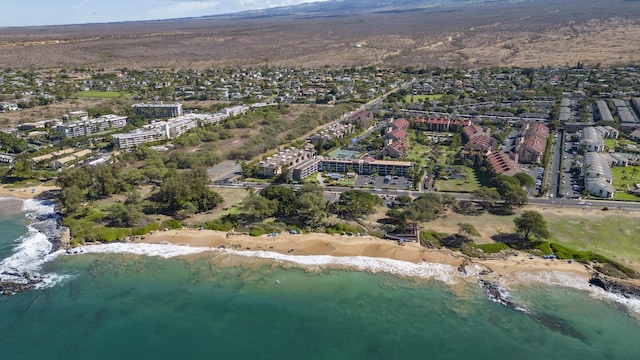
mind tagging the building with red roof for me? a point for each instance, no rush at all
(501, 164)
(532, 143)
(446, 125)
(397, 124)
(396, 150)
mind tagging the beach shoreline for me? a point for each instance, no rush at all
(24, 193)
(502, 269)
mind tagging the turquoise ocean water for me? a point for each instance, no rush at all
(109, 306)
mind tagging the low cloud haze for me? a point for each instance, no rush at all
(46, 12)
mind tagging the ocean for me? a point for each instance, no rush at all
(136, 301)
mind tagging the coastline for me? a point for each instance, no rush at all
(500, 269)
(24, 193)
(366, 253)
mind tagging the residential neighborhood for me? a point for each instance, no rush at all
(573, 123)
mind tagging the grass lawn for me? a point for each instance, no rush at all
(624, 177)
(610, 143)
(102, 95)
(467, 183)
(609, 235)
(423, 97)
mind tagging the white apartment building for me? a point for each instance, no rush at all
(88, 127)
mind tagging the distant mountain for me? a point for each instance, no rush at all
(332, 8)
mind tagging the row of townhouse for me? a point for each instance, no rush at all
(596, 172)
(68, 160)
(395, 138)
(592, 137)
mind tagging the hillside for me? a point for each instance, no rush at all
(456, 34)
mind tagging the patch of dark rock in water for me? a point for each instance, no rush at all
(558, 325)
(10, 287)
(498, 294)
(615, 287)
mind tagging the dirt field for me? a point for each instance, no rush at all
(529, 33)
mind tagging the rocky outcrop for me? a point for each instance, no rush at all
(9, 287)
(498, 294)
(615, 286)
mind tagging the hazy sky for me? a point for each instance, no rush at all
(56, 12)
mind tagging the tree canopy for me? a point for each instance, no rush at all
(531, 223)
(355, 204)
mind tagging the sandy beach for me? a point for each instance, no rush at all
(22, 192)
(504, 269)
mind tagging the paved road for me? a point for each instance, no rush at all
(332, 193)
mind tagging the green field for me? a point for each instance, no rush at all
(609, 235)
(417, 98)
(467, 183)
(102, 95)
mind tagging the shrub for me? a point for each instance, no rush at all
(341, 228)
(145, 229)
(257, 231)
(218, 225)
(543, 246)
(433, 237)
(493, 248)
(172, 224)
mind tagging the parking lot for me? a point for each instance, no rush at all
(383, 182)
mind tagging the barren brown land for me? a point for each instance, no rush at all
(526, 33)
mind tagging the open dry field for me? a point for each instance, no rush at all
(527, 33)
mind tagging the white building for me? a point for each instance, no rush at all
(597, 176)
(158, 110)
(88, 127)
(139, 137)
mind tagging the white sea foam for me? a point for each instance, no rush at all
(32, 248)
(28, 256)
(36, 208)
(161, 250)
(441, 272)
(558, 278)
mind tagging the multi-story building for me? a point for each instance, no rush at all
(532, 143)
(272, 166)
(158, 110)
(367, 166)
(597, 176)
(88, 127)
(592, 137)
(139, 137)
(502, 164)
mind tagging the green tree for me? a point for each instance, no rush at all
(525, 180)
(355, 204)
(121, 215)
(259, 207)
(510, 190)
(71, 197)
(468, 229)
(284, 195)
(311, 208)
(487, 196)
(531, 223)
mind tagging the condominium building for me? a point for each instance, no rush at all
(139, 137)
(88, 127)
(158, 110)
